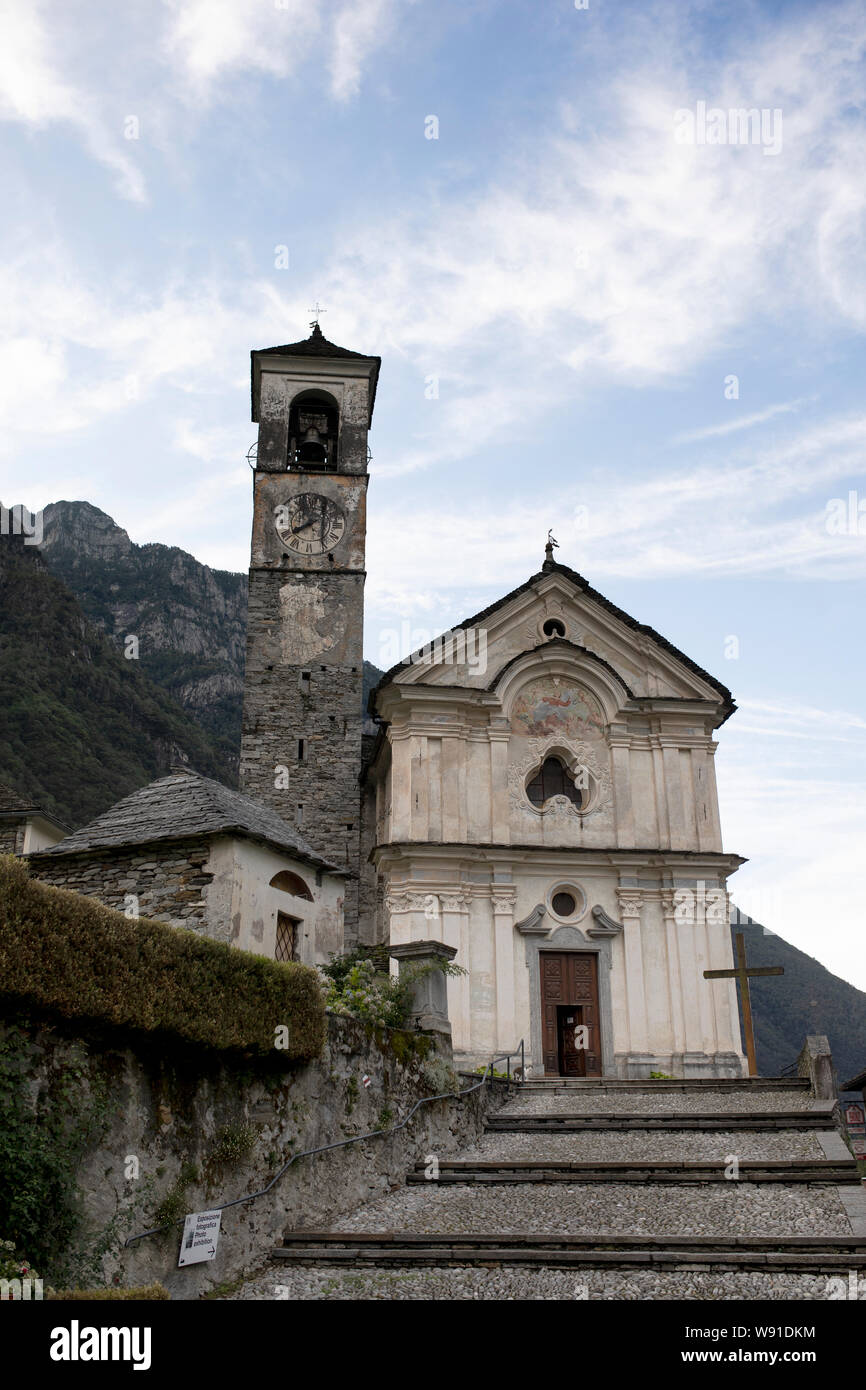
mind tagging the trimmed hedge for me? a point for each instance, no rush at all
(144, 1291)
(68, 954)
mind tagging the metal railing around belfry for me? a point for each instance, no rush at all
(489, 1075)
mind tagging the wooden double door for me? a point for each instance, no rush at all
(570, 1036)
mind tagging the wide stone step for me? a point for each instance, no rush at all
(657, 1146)
(644, 1102)
(813, 1171)
(565, 1121)
(600, 1085)
(800, 1253)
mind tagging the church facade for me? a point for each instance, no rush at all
(540, 794)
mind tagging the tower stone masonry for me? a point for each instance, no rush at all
(302, 718)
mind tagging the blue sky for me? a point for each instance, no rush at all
(581, 281)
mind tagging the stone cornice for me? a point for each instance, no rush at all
(604, 857)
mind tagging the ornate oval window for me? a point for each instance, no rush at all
(554, 778)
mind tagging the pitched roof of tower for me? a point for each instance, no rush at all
(182, 805)
(316, 345)
(554, 567)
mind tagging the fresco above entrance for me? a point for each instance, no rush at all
(553, 706)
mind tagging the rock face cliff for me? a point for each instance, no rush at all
(189, 620)
(80, 724)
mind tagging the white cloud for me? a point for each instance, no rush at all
(360, 26)
(741, 422)
(209, 43)
(620, 254)
(798, 813)
(35, 91)
(698, 521)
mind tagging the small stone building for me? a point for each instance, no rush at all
(189, 851)
(24, 826)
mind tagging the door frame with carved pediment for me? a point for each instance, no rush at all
(571, 939)
(569, 997)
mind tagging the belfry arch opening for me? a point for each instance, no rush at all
(314, 431)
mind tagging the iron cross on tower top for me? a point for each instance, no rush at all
(316, 311)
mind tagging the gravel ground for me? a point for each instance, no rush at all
(647, 1147)
(724, 1208)
(679, 1102)
(507, 1283)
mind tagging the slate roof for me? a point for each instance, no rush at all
(553, 567)
(13, 805)
(316, 345)
(183, 805)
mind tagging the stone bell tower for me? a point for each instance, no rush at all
(302, 720)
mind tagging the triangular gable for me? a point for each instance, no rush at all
(647, 664)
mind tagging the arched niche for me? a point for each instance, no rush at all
(287, 882)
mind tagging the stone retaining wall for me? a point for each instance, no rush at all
(207, 1132)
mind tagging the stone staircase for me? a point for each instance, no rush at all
(634, 1189)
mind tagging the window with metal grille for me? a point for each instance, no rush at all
(287, 937)
(552, 779)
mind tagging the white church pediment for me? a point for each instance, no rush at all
(481, 653)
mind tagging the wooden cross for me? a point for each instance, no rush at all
(742, 974)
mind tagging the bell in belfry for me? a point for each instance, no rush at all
(314, 436)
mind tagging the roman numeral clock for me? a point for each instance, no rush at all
(310, 524)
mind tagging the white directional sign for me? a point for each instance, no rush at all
(201, 1233)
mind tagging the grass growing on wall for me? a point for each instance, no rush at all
(68, 954)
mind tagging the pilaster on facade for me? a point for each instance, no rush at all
(503, 899)
(679, 986)
(630, 905)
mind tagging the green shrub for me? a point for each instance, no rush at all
(354, 989)
(68, 954)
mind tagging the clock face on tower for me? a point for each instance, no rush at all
(310, 524)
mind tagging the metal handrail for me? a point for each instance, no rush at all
(357, 1139)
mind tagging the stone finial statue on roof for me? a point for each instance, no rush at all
(548, 550)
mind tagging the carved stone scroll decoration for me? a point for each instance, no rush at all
(534, 924)
(603, 924)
